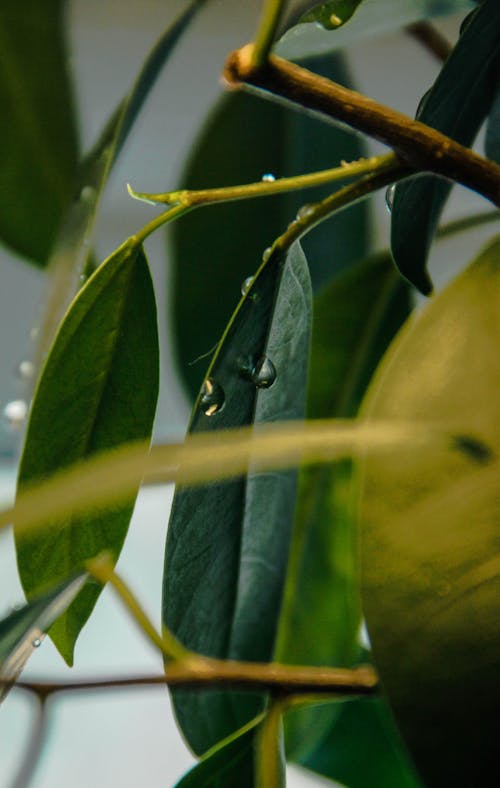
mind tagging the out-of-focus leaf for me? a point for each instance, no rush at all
(97, 390)
(374, 17)
(431, 581)
(457, 104)
(38, 139)
(22, 630)
(363, 748)
(355, 318)
(244, 139)
(333, 14)
(492, 142)
(227, 543)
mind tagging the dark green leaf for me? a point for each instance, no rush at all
(431, 585)
(38, 139)
(355, 318)
(227, 543)
(98, 389)
(244, 139)
(22, 630)
(374, 17)
(333, 14)
(364, 749)
(457, 104)
(492, 142)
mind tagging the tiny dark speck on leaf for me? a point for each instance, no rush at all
(473, 447)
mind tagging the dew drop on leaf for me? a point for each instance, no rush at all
(88, 195)
(268, 177)
(389, 197)
(14, 414)
(266, 254)
(304, 211)
(212, 397)
(246, 285)
(36, 643)
(264, 373)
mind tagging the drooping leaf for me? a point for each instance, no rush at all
(431, 586)
(97, 390)
(333, 14)
(227, 543)
(373, 17)
(355, 318)
(38, 139)
(244, 139)
(22, 630)
(363, 748)
(457, 104)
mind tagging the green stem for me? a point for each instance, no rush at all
(266, 31)
(269, 756)
(102, 569)
(265, 188)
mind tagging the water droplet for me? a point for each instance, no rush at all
(83, 278)
(212, 397)
(88, 195)
(389, 197)
(268, 177)
(246, 285)
(305, 211)
(25, 370)
(266, 254)
(36, 643)
(264, 373)
(15, 413)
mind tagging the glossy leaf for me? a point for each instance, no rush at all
(98, 389)
(355, 318)
(229, 766)
(276, 141)
(373, 17)
(333, 14)
(38, 139)
(363, 748)
(457, 104)
(431, 586)
(227, 543)
(21, 631)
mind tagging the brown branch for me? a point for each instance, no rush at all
(200, 673)
(416, 144)
(430, 37)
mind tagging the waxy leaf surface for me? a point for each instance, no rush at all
(430, 541)
(98, 389)
(355, 318)
(227, 543)
(244, 139)
(456, 105)
(38, 139)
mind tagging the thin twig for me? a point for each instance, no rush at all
(35, 744)
(201, 672)
(416, 144)
(430, 37)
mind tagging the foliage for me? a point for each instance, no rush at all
(359, 479)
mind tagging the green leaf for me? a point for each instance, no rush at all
(333, 14)
(355, 318)
(98, 389)
(431, 585)
(363, 748)
(227, 543)
(22, 630)
(38, 136)
(274, 140)
(456, 105)
(373, 17)
(492, 142)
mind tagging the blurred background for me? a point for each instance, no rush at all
(124, 738)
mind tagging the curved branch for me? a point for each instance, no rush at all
(416, 144)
